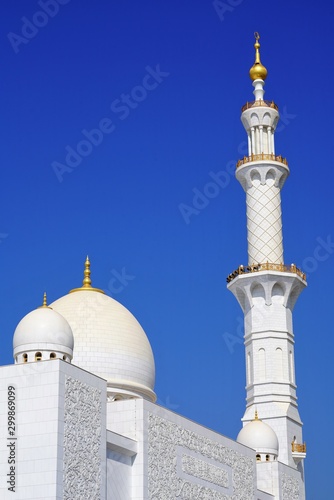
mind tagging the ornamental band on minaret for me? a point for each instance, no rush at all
(266, 288)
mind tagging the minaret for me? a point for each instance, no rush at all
(267, 289)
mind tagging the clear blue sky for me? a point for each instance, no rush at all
(119, 201)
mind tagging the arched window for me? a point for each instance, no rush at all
(277, 294)
(292, 368)
(258, 296)
(249, 368)
(262, 368)
(64, 357)
(258, 458)
(25, 358)
(267, 458)
(279, 363)
(53, 355)
(38, 356)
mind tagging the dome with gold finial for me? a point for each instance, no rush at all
(41, 335)
(109, 341)
(259, 436)
(257, 71)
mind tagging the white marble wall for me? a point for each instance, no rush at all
(56, 441)
(177, 458)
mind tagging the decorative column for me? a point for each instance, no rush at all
(267, 289)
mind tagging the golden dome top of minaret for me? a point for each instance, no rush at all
(257, 70)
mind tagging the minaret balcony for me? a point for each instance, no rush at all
(262, 156)
(259, 102)
(266, 267)
(298, 451)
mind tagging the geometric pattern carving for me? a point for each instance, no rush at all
(205, 471)
(264, 224)
(82, 441)
(166, 481)
(290, 488)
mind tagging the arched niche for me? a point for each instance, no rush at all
(270, 177)
(266, 120)
(241, 298)
(258, 294)
(254, 119)
(255, 178)
(277, 294)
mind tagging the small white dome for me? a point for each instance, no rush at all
(43, 330)
(259, 436)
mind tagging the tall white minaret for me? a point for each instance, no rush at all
(267, 289)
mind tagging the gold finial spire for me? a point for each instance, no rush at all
(257, 70)
(87, 282)
(256, 417)
(45, 302)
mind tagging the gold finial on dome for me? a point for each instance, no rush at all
(257, 70)
(45, 302)
(87, 282)
(256, 417)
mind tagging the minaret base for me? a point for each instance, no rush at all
(267, 298)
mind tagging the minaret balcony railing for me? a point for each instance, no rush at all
(266, 267)
(262, 156)
(259, 102)
(298, 448)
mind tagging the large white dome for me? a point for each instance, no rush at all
(109, 341)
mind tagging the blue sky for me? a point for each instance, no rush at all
(119, 201)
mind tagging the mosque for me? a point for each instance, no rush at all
(78, 413)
